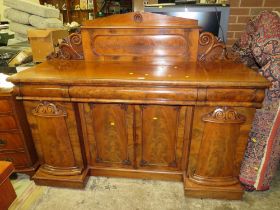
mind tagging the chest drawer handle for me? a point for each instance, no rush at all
(3, 142)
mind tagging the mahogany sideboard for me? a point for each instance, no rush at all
(141, 95)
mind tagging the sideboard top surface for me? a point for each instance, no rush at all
(72, 72)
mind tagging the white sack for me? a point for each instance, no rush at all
(20, 28)
(16, 16)
(32, 8)
(43, 23)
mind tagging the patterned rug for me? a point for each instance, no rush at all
(103, 193)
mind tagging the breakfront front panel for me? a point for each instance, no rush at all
(109, 134)
(160, 136)
(148, 137)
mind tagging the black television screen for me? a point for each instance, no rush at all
(212, 18)
(209, 21)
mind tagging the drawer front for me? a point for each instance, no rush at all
(5, 106)
(134, 94)
(18, 159)
(7, 123)
(44, 91)
(10, 141)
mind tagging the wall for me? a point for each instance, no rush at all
(242, 10)
(2, 8)
(240, 13)
(137, 5)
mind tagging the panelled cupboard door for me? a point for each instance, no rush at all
(55, 134)
(109, 134)
(160, 136)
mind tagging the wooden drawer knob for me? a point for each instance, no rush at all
(3, 142)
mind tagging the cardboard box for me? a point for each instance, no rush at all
(83, 4)
(44, 41)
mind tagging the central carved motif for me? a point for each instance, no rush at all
(138, 18)
(47, 109)
(224, 115)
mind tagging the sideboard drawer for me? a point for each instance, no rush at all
(10, 141)
(7, 122)
(44, 90)
(18, 159)
(5, 106)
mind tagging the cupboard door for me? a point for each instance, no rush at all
(110, 138)
(55, 134)
(160, 136)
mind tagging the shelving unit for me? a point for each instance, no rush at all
(71, 11)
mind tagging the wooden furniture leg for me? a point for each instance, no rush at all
(7, 192)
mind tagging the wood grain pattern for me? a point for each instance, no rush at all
(125, 45)
(112, 143)
(135, 45)
(51, 124)
(118, 74)
(159, 138)
(210, 48)
(140, 37)
(114, 131)
(5, 106)
(197, 135)
(16, 143)
(215, 165)
(19, 159)
(7, 192)
(10, 141)
(231, 138)
(7, 123)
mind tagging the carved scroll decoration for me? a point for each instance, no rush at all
(47, 109)
(70, 48)
(224, 115)
(211, 48)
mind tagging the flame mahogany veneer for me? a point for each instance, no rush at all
(141, 95)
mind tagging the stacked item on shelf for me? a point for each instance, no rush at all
(25, 15)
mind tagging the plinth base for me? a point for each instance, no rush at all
(232, 192)
(75, 181)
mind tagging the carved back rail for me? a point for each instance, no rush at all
(141, 37)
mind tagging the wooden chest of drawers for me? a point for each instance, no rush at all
(16, 143)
